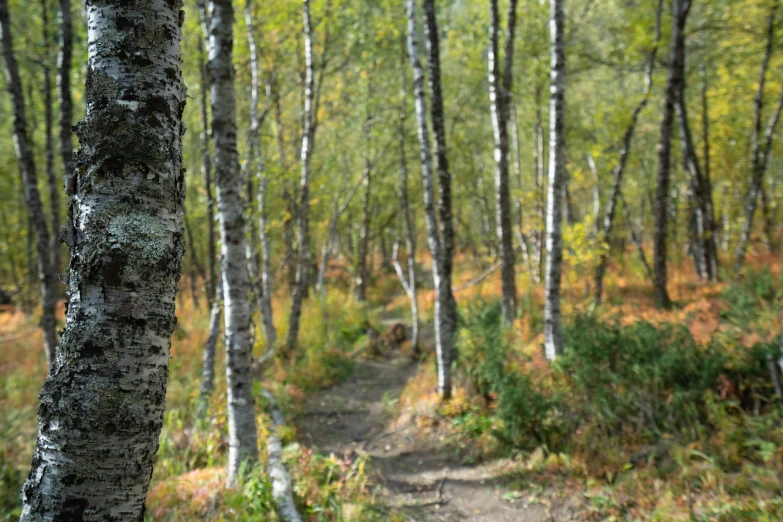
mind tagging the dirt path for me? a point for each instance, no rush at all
(415, 475)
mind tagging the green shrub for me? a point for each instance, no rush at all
(643, 374)
(11, 481)
(525, 414)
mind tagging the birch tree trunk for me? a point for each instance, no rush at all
(51, 176)
(47, 273)
(680, 10)
(303, 220)
(701, 191)
(712, 233)
(500, 101)
(362, 271)
(243, 440)
(102, 405)
(267, 319)
(208, 358)
(444, 325)
(64, 61)
(553, 329)
(759, 152)
(538, 170)
(408, 280)
(206, 171)
(619, 170)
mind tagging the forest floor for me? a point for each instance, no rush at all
(415, 474)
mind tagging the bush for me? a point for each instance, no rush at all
(11, 481)
(524, 413)
(650, 376)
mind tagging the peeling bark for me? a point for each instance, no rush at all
(47, 273)
(102, 405)
(243, 439)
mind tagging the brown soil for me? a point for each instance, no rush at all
(414, 474)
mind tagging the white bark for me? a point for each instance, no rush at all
(281, 480)
(443, 326)
(267, 319)
(243, 444)
(102, 405)
(303, 221)
(500, 101)
(553, 328)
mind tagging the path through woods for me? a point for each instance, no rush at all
(416, 475)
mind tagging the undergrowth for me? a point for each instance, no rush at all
(656, 425)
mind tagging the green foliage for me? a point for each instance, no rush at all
(646, 375)
(748, 299)
(253, 500)
(11, 481)
(523, 412)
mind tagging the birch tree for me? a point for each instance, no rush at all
(47, 272)
(500, 95)
(553, 328)
(605, 231)
(760, 150)
(267, 319)
(439, 236)
(405, 222)
(64, 63)
(680, 9)
(214, 294)
(102, 405)
(303, 210)
(243, 441)
(51, 175)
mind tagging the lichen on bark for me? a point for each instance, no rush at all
(102, 406)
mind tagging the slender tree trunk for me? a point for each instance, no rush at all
(759, 151)
(619, 170)
(267, 318)
(408, 280)
(362, 271)
(444, 300)
(206, 171)
(701, 195)
(51, 176)
(540, 197)
(208, 358)
(701, 190)
(680, 10)
(636, 238)
(243, 441)
(712, 232)
(47, 273)
(553, 328)
(102, 405)
(303, 221)
(64, 61)
(500, 94)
